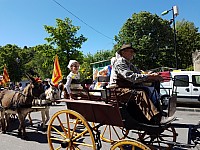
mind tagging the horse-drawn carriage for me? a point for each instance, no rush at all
(90, 118)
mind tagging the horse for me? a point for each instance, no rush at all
(43, 104)
(20, 103)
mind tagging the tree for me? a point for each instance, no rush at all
(152, 36)
(11, 56)
(86, 68)
(42, 60)
(102, 55)
(188, 41)
(64, 36)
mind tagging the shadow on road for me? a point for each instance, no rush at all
(33, 133)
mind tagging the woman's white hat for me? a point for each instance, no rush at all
(71, 62)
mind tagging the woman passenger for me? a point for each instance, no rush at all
(74, 74)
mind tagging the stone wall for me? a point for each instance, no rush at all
(196, 60)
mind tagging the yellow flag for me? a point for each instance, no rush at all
(6, 77)
(57, 75)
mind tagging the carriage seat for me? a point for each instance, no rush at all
(88, 93)
(164, 116)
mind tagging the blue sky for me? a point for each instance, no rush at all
(22, 21)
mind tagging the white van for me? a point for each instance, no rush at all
(187, 84)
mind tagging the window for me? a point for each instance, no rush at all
(196, 80)
(181, 80)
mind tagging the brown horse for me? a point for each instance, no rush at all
(15, 102)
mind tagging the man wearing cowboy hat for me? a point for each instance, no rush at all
(124, 68)
(125, 76)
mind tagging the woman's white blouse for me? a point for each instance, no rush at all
(70, 86)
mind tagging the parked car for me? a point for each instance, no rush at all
(187, 84)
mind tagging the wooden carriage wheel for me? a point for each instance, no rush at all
(111, 134)
(66, 132)
(129, 144)
(165, 139)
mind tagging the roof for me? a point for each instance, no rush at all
(102, 61)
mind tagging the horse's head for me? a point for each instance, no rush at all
(38, 89)
(53, 93)
(35, 88)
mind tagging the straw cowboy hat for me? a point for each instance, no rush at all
(126, 46)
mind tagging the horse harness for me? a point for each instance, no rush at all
(15, 101)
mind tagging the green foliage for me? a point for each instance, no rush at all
(188, 40)
(64, 36)
(43, 60)
(190, 68)
(102, 55)
(12, 57)
(150, 34)
(86, 69)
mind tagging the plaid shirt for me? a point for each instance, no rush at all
(124, 70)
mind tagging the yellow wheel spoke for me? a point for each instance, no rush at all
(58, 132)
(111, 133)
(83, 144)
(68, 124)
(56, 139)
(73, 131)
(122, 144)
(62, 125)
(79, 135)
(58, 148)
(68, 131)
(104, 130)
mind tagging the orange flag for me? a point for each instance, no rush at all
(57, 75)
(6, 77)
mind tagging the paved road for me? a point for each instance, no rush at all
(38, 140)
